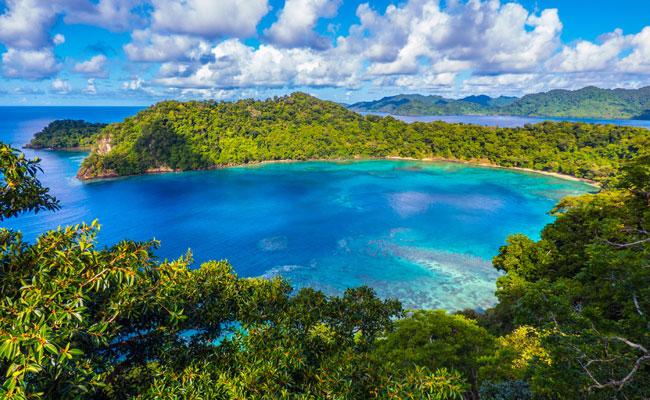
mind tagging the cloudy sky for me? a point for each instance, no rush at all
(136, 52)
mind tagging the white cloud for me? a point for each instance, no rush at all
(209, 18)
(114, 15)
(588, 56)
(138, 87)
(58, 39)
(294, 27)
(148, 46)
(93, 68)
(236, 65)
(482, 35)
(61, 87)
(517, 84)
(639, 60)
(428, 81)
(25, 24)
(29, 64)
(612, 53)
(90, 88)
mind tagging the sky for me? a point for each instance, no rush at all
(138, 52)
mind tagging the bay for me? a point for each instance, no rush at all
(423, 232)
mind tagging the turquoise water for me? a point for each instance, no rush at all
(421, 232)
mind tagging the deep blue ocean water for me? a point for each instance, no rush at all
(422, 232)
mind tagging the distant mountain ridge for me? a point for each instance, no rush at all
(588, 102)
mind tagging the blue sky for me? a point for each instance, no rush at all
(136, 52)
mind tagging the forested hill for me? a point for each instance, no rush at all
(588, 102)
(198, 135)
(415, 104)
(66, 133)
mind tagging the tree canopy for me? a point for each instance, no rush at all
(198, 135)
(67, 133)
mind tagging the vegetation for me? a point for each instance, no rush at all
(198, 135)
(20, 191)
(415, 104)
(67, 133)
(585, 285)
(588, 102)
(571, 322)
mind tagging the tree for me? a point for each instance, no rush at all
(20, 190)
(587, 288)
(435, 339)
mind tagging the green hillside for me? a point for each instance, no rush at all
(415, 104)
(589, 102)
(199, 135)
(66, 133)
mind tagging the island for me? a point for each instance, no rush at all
(196, 135)
(588, 102)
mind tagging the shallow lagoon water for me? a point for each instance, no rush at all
(422, 232)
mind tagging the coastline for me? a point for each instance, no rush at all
(162, 170)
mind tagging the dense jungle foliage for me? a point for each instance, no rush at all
(66, 133)
(82, 322)
(199, 135)
(588, 102)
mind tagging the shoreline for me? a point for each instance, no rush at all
(162, 170)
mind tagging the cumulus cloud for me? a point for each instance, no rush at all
(29, 64)
(638, 61)
(295, 25)
(237, 65)
(25, 24)
(148, 46)
(588, 56)
(429, 81)
(483, 35)
(114, 15)
(209, 18)
(93, 68)
(90, 87)
(517, 84)
(60, 87)
(58, 39)
(138, 87)
(612, 52)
